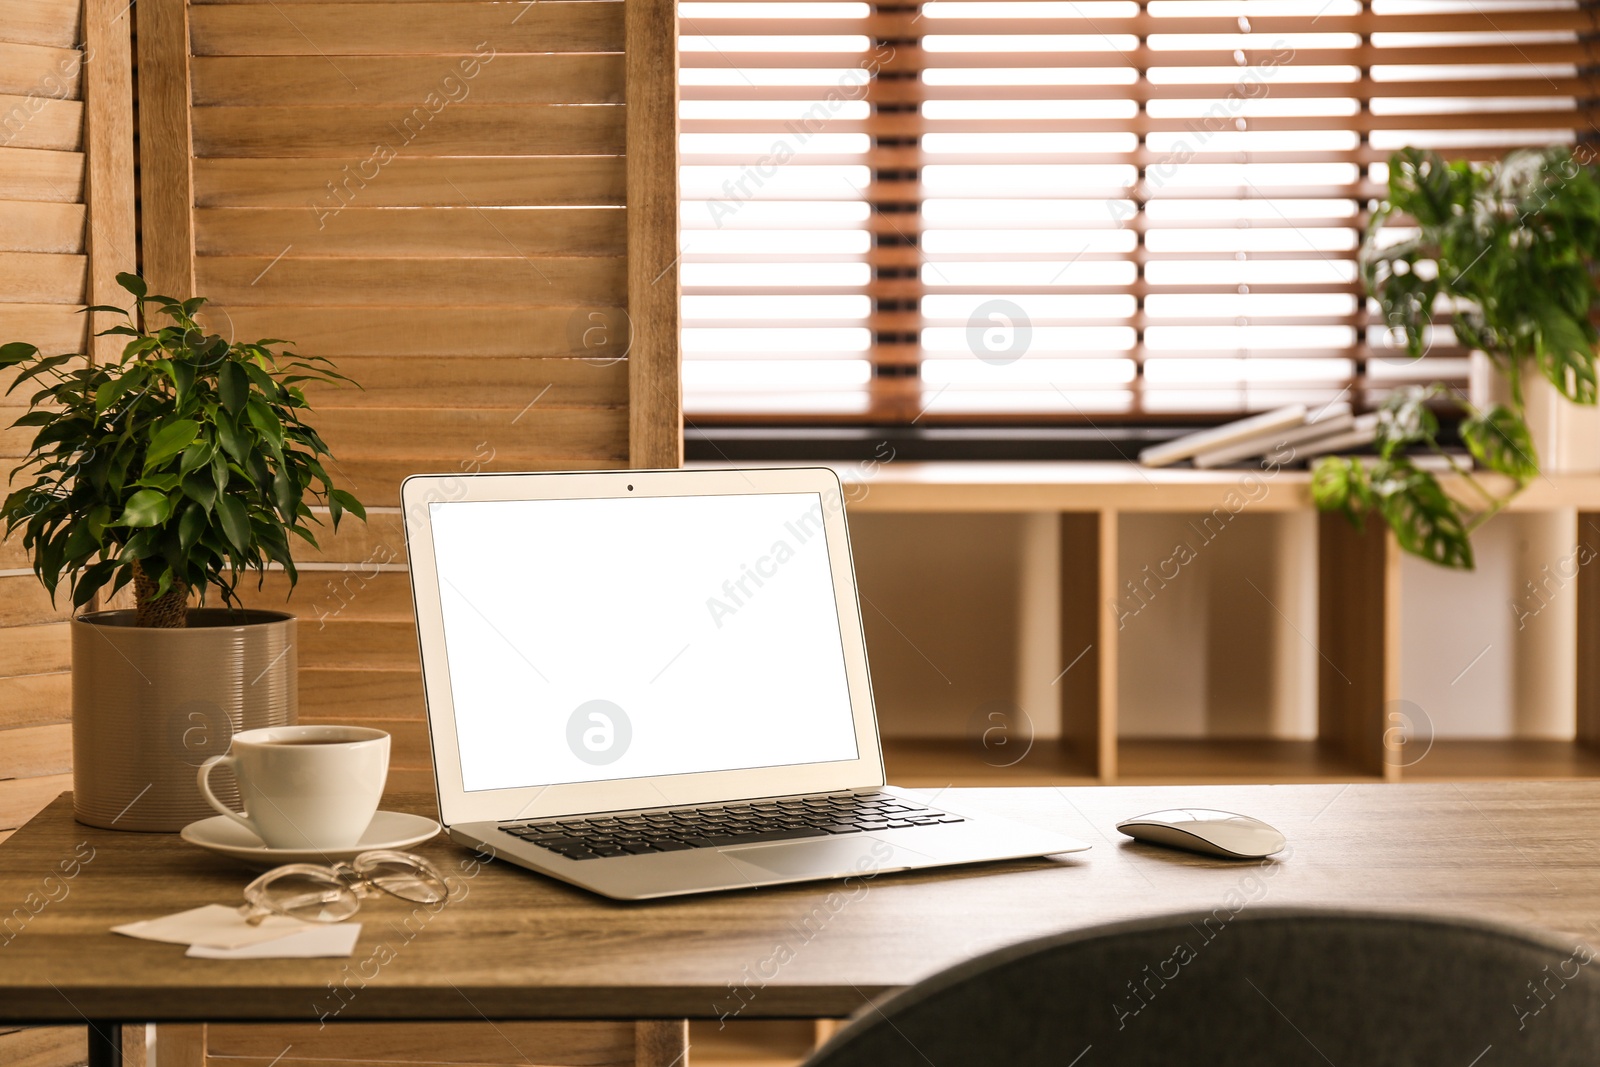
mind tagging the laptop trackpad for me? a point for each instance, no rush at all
(827, 857)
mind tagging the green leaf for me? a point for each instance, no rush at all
(111, 390)
(235, 521)
(201, 488)
(234, 385)
(285, 492)
(267, 424)
(16, 352)
(1566, 353)
(1499, 440)
(1339, 483)
(96, 521)
(260, 473)
(40, 367)
(1425, 521)
(80, 543)
(191, 526)
(350, 503)
(133, 283)
(234, 442)
(1404, 418)
(166, 481)
(147, 507)
(183, 376)
(1330, 483)
(170, 439)
(219, 471)
(197, 454)
(91, 580)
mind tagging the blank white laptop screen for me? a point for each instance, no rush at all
(593, 640)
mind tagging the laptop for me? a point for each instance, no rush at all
(653, 683)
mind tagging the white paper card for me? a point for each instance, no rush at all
(214, 925)
(320, 940)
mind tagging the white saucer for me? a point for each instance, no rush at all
(389, 829)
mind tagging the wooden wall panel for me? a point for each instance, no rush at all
(405, 29)
(66, 225)
(425, 233)
(262, 81)
(495, 181)
(25, 68)
(37, 227)
(54, 125)
(52, 23)
(36, 176)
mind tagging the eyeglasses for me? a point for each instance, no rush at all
(314, 893)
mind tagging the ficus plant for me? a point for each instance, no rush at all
(1505, 254)
(178, 466)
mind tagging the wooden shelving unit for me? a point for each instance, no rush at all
(1358, 620)
(1500, 760)
(921, 762)
(1220, 761)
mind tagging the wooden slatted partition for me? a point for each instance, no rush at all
(66, 229)
(43, 263)
(465, 205)
(472, 208)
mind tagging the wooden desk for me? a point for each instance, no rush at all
(518, 947)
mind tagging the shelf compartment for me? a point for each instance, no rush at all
(1215, 761)
(931, 762)
(1509, 759)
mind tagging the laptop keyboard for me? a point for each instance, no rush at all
(715, 826)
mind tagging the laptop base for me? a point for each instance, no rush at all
(854, 858)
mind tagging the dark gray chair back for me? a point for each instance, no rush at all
(1279, 987)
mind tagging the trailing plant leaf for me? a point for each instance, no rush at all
(1404, 418)
(1425, 521)
(1565, 352)
(1339, 483)
(186, 460)
(1499, 440)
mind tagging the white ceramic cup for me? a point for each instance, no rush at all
(305, 787)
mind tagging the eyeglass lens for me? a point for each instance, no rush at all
(406, 876)
(317, 896)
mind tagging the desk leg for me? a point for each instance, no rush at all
(105, 1044)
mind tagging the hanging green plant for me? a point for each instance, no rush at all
(1510, 249)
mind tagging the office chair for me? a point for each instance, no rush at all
(1257, 987)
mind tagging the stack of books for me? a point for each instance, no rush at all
(1288, 435)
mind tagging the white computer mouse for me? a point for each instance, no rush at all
(1216, 833)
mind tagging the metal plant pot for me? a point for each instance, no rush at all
(150, 705)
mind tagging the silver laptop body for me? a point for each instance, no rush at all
(652, 683)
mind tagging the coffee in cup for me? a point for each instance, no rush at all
(305, 787)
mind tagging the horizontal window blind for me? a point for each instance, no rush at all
(1010, 210)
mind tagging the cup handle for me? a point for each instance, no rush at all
(203, 779)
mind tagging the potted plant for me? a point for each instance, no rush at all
(1510, 249)
(175, 469)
